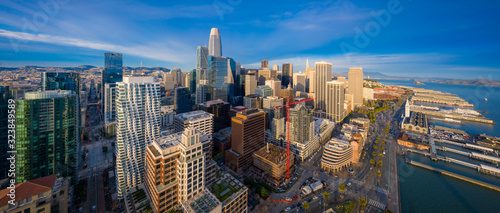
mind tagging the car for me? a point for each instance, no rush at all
(287, 209)
(288, 199)
(315, 197)
(80, 209)
(349, 184)
(93, 208)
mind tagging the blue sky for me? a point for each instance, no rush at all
(453, 39)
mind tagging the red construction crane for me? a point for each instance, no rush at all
(288, 132)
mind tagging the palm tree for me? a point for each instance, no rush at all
(380, 163)
(341, 188)
(362, 202)
(381, 148)
(383, 143)
(326, 195)
(379, 173)
(375, 147)
(372, 162)
(381, 154)
(374, 154)
(306, 206)
(376, 141)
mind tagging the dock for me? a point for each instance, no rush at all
(451, 174)
(453, 116)
(442, 100)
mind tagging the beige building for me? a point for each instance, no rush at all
(299, 82)
(338, 154)
(323, 75)
(335, 101)
(250, 84)
(355, 77)
(275, 85)
(41, 195)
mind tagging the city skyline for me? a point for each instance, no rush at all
(406, 45)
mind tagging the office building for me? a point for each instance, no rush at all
(192, 81)
(182, 100)
(45, 194)
(264, 91)
(220, 111)
(276, 67)
(338, 154)
(138, 124)
(4, 133)
(61, 81)
(343, 80)
(287, 73)
(247, 136)
(335, 101)
(275, 85)
(47, 135)
(250, 84)
(311, 80)
(263, 63)
(113, 68)
(167, 116)
(252, 101)
(234, 200)
(323, 75)
(214, 43)
(264, 75)
(299, 82)
(202, 57)
(355, 77)
(204, 122)
(288, 94)
(221, 72)
(202, 92)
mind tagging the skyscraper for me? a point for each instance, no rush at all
(263, 63)
(220, 111)
(202, 57)
(301, 124)
(250, 84)
(299, 82)
(182, 100)
(323, 75)
(113, 68)
(4, 126)
(275, 67)
(355, 78)
(192, 82)
(247, 136)
(138, 113)
(47, 135)
(286, 79)
(214, 43)
(220, 71)
(62, 81)
(335, 101)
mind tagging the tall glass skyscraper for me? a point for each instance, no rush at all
(220, 70)
(47, 135)
(61, 81)
(4, 124)
(214, 43)
(201, 57)
(182, 100)
(287, 77)
(113, 68)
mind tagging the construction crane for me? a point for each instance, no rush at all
(288, 131)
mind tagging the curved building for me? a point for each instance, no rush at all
(338, 154)
(214, 43)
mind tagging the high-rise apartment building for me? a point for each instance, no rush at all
(287, 74)
(301, 124)
(335, 101)
(138, 124)
(220, 111)
(47, 135)
(355, 78)
(323, 75)
(247, 136)
(113, 68)
(204, 122)
(182, 100)
(214, 43)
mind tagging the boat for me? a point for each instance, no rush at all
(485, 99)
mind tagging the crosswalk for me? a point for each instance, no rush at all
(376, 204)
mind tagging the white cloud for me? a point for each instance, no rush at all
(156, 51)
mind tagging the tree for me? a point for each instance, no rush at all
(362, 202)
(379, 163)
(263, 192)
(375, 147)
(378, 137)
(387, 211)
(360, 111)
(379, 173)
(383, 143)
(326, 195)
(376, 141)
(104, 149)
(381, 155)
(372, 162)
(113, 144)
(306, 206)
(381, 148)
(341, 188)
(386, 129)
(374, 154)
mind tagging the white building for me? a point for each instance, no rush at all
(275, 86)
(335, 101)
(368, 93)
(323, 75)
(138, 115)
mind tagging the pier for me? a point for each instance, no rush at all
(451, 174)
(453, 116)
(441, 100)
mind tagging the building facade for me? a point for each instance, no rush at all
(355, 78)
(338, 154)
(323, 75)
(138, 125)
(335, 101)
(182, 100)
(287, 72)
(220, 111)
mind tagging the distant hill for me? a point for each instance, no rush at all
(475, 82)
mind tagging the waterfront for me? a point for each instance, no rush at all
(423, 190)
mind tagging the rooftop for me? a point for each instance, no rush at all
(276, 154)
(213, 102)
(194, 115)
(47, 94)
(29, 188)
(227, 188)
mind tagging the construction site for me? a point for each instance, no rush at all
(271, 161)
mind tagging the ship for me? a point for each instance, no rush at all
(485, 99)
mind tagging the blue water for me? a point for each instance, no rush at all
(422, 190)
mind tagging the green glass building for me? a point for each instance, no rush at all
(47, 135)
